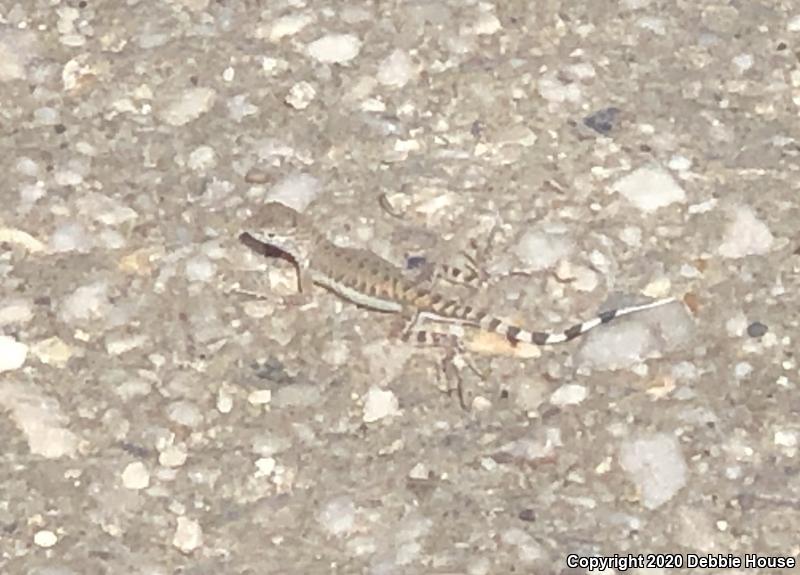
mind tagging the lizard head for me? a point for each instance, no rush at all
(280, 227)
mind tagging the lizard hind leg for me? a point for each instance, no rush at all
(454, 360)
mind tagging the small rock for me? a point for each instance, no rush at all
(15, 311)
(296, 190)
(338, 516)
(70, 237)
(786, 438)
(650, 188)
(656, 465)
(540, 250)
(173, 456)
(202, 159)
(569, 394)
(602, 121)
(185, 413)
(12, 353)
(395, 71)
(89, 302)
(45, 538)
(40, 420)
(53, 351)
(136, 476)
(756, 329)
(189, 105)
(379, 403)
(301, 95)
(335, 48)
(288, 25)
(793, 25)
(188, 535)
(200, 269)
(260, 397)
(745, 235)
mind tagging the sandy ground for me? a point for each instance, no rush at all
(157, 420)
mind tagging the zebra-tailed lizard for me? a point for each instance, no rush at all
(370, 281)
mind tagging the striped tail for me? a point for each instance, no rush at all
(516, 334)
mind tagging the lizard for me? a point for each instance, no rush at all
(368, 280)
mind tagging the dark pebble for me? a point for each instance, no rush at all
(603, 120)
(756, 329)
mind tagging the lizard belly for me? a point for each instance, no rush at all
(356, 296)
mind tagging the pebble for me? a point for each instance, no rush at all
(540, 250)
(260, 397)
(288, 25)
(650, 188)
(188, 535)
(793, 25)
(569, 394)
(297, 190)
(786, 438)
(173, 456)
(378, 404)
(185, 413)
(186, 106)
(45, 538)
(16, 50)
(12, 353)
(335, 48)
(338, 516)
(745, 235)
(70, 237)
(756, 329)
(656, 466)
(202, 159)
(602, 121)
(53, 351)
(89, 302)
(40, 420)
(395, 70)
(136, 476)
(301, 95)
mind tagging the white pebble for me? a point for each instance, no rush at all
(554, 90)
(260, 397)
(395, 70)
(569, 394)
(656, 465)
(743, 62)
(45, 538)
(89, 302)
(202, 158)
(46, 116)
(632, 236)
(679, 163)
(39, 418)
(187, 106)
(296, 190)
(70, 237)
(338, 516)
(27, 167)
(745, 235)
(301, 95)
(288, 25)
(379, 403)
(173, 456)
(793, 25)
(136, 476)
(335, 48)
(200, 269)
(540, 250)
(188, 535)
(786, 438)
(185, 413)
(12, 353)
(15, 311)
(224, 401)
(650, 188)
(742, 370)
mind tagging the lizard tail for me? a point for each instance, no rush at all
(516, 334)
